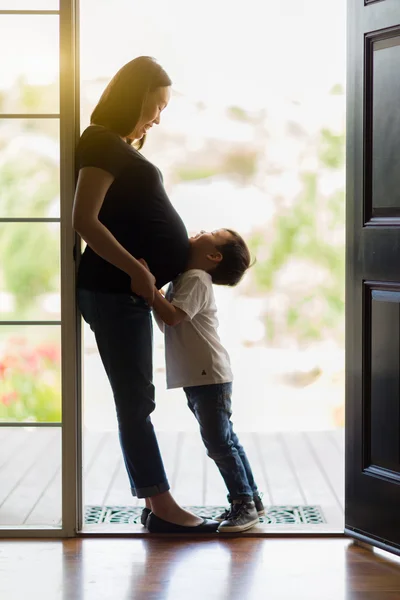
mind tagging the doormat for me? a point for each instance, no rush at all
(274, 515)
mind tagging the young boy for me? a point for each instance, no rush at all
(197, 362)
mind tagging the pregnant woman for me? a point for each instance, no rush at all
(122, 212)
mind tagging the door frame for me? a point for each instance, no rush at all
(72, 504)
(71, 380)
(71, 335)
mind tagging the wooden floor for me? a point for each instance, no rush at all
(291, 468)
(227, 569)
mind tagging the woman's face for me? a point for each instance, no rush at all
(155, 103)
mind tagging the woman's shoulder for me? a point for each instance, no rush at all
(98, 134)
(102, 148)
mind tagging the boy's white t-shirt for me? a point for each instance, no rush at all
(194, 354)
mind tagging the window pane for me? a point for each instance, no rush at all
(29, 271)
(29, 168)
(30, 373)
(29, 77)
(30, 476)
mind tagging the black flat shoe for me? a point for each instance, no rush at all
(144, 515)
(156, 525)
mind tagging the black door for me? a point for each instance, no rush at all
(373, 273)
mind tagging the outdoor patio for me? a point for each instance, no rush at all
(292, 469)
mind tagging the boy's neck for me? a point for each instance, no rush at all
(197, 261)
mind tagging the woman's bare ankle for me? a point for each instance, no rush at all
(164, 506)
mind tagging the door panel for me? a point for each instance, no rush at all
(373, 273)
(381, 381)
(385, 94)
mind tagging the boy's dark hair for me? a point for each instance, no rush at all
(235, 261)
(120, 105)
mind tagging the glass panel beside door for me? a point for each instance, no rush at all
(30, 476)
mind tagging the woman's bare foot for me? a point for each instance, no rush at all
(164, 506)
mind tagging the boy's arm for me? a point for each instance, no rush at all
(163, 309)
(167, 312)
(159, 322)
(157, 319)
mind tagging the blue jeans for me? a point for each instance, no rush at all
(211, 405)
(123, 328)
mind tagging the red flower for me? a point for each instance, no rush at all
(6, 399)
(49, 352)
(10, 361)
(31, 362)
(3, 368)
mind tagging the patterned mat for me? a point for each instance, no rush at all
(274, 515)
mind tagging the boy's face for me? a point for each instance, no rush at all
(206, 243)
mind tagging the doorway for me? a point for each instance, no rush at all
(252, 140)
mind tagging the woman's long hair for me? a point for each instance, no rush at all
(120, 105)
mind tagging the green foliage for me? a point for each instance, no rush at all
(30, 261)
(337, 90)
(295, 234)
(195, 173)
(27, 187)
(240, 164)
(237, 113)
(37, 98)
(332, 151)
(29, 252)
(31, 98)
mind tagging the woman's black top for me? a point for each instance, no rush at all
(136, 210)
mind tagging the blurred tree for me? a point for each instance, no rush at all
(30, 262)
(240, 165)
(29, 185)
(306, 237)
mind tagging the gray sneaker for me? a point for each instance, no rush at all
(242, 516)
(257, 499)
(223, 515)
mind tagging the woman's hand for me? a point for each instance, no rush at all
(144, 263)
(143, 282)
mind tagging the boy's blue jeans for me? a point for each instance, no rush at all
(211, 405)
(122, 325)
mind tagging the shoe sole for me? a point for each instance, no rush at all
(238, 528)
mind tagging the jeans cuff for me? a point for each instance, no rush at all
(241, 498)
(152, 490)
